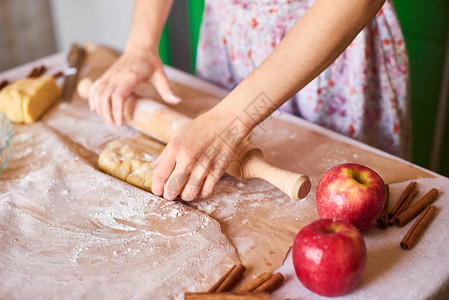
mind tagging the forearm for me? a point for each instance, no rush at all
(315, 41)
(148, 22)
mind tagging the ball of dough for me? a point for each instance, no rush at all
(26, 100)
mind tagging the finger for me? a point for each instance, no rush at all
(118, 99)
(176, 182)
(124, 86)
(105, 109)
(208, 185)
(95, 94)
(163, 171)
(221, 163)
(155, 162)
(193, 186)
(160, 82)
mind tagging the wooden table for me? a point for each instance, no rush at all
(391, 272)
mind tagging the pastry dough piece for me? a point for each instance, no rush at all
(25, 100)
(130, 160)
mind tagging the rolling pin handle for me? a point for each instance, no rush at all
(83, 87)
(295, 185)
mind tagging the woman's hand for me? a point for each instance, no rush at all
(198, 155)
(108, 93)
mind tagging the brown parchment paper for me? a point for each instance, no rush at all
(84, 236)
(260, 221)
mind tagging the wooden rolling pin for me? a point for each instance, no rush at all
(161, 122)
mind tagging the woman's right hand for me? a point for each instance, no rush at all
(108, 93)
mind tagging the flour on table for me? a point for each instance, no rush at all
(69, 230)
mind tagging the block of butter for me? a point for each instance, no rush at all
(25, 100)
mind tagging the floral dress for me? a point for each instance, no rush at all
(363, 94)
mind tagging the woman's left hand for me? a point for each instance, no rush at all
(198, 155)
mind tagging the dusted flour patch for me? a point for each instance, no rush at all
(71, 231)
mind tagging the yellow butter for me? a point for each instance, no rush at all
(25, 100)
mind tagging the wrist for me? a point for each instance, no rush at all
(145, 45)
(229, 123)
(247, 113)
(250, 102)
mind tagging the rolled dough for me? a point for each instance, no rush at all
(25, 100)
(130, 160)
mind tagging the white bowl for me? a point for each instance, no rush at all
(6, 134)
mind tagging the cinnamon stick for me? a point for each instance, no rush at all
(271, 284)
(417, 228)
(407, 201)
(222, 278)
(42, 70)
(226, 296)
(383, 219)
(37, 71)
(414, 210)
(255, 283)
(403, 207)
(234, 276)
(58, 74)
(408, 189)
(32, 72)
(3, 83)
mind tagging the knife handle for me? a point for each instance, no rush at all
(74, 58)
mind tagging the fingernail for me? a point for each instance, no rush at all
(189, 198)
(155, 191)
(170, 196)
(174, 99)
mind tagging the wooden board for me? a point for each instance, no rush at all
(259, 220)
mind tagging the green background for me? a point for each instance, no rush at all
(424, 24)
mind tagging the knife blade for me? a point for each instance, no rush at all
(74, 58)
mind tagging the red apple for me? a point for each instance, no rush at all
(352, 193)
(329, 257)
